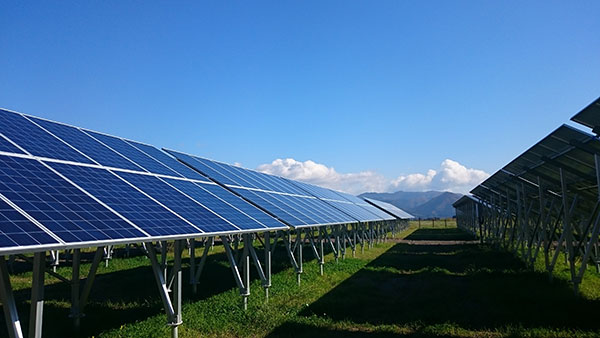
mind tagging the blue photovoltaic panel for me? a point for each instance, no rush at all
(87, 145)
(169, 161)
(394, 210)
(373, 210)
(184, 206)
(274, 208)
(353, 210)
(275, 183)
(126, 200)
(242, 179)
(244, 206)
(310, 211)
(206, 170)
(368, 211)
(58, 205)
(35, 140)
(315, 209)
(232, 214)
(318, 191)
(9, 147)
(273, 198)
(332, 213)
(134, 154)
(300, 205)
(334, 198)
(16, 230)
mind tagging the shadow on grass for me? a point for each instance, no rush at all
(303, 330)
(469, 286)
(440, 234)
(125, 296)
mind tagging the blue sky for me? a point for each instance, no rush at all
(377, 90)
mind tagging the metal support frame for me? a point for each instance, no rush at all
(541, 221)
(36, 313)
(172, 306)
(79, 298)
(8, 302)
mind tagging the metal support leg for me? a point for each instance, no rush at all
(198, 271)
(37, 295)
(268, 253)
(89, 281)
(55, 259)
(337, 243)
(321, 253)
(75, 313)
(299, 255)
(242, 282)
(172, 318)
(192, 251)
(354, 231)
(177, 288)
(8, 302)
(246, 270)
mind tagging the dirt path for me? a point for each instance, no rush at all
(431, 242)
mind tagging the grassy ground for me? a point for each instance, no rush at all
(394, 289)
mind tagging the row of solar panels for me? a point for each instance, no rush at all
(566, 148)
(63, 186)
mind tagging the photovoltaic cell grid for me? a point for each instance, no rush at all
(275, 209)
(392, 209)
(126, 200)
(87, 145)
(219, 206)
(242, 205)
(58, 205)
(363, 204)
(294, 210)
(302, 206)
(164, 207)
(35, 140)
(169, 161)
(334, 198)
(9, 147)
(201, 217)
(133, 154)
(17, 230)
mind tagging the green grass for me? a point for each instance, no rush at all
(393, 289)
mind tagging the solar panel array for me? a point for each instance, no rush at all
(63, 186)
(390, 208)
(565, 148)
(295, 203)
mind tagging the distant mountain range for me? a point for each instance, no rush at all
(426, 204)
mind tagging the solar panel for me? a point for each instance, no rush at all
(590, 115)
(274, 208)
(35, 140)
(18, 231)
(205, 219)
(8, 147)
(133, 154)
(278, 196)
(242, 205)
(219, 206)
(358, 210)
(169, 161)
(87, 145)
(318, 210)
(206, 169)
(59, 206)
(390, 208)
(148, 215)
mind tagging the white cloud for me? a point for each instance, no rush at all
(451, 176)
